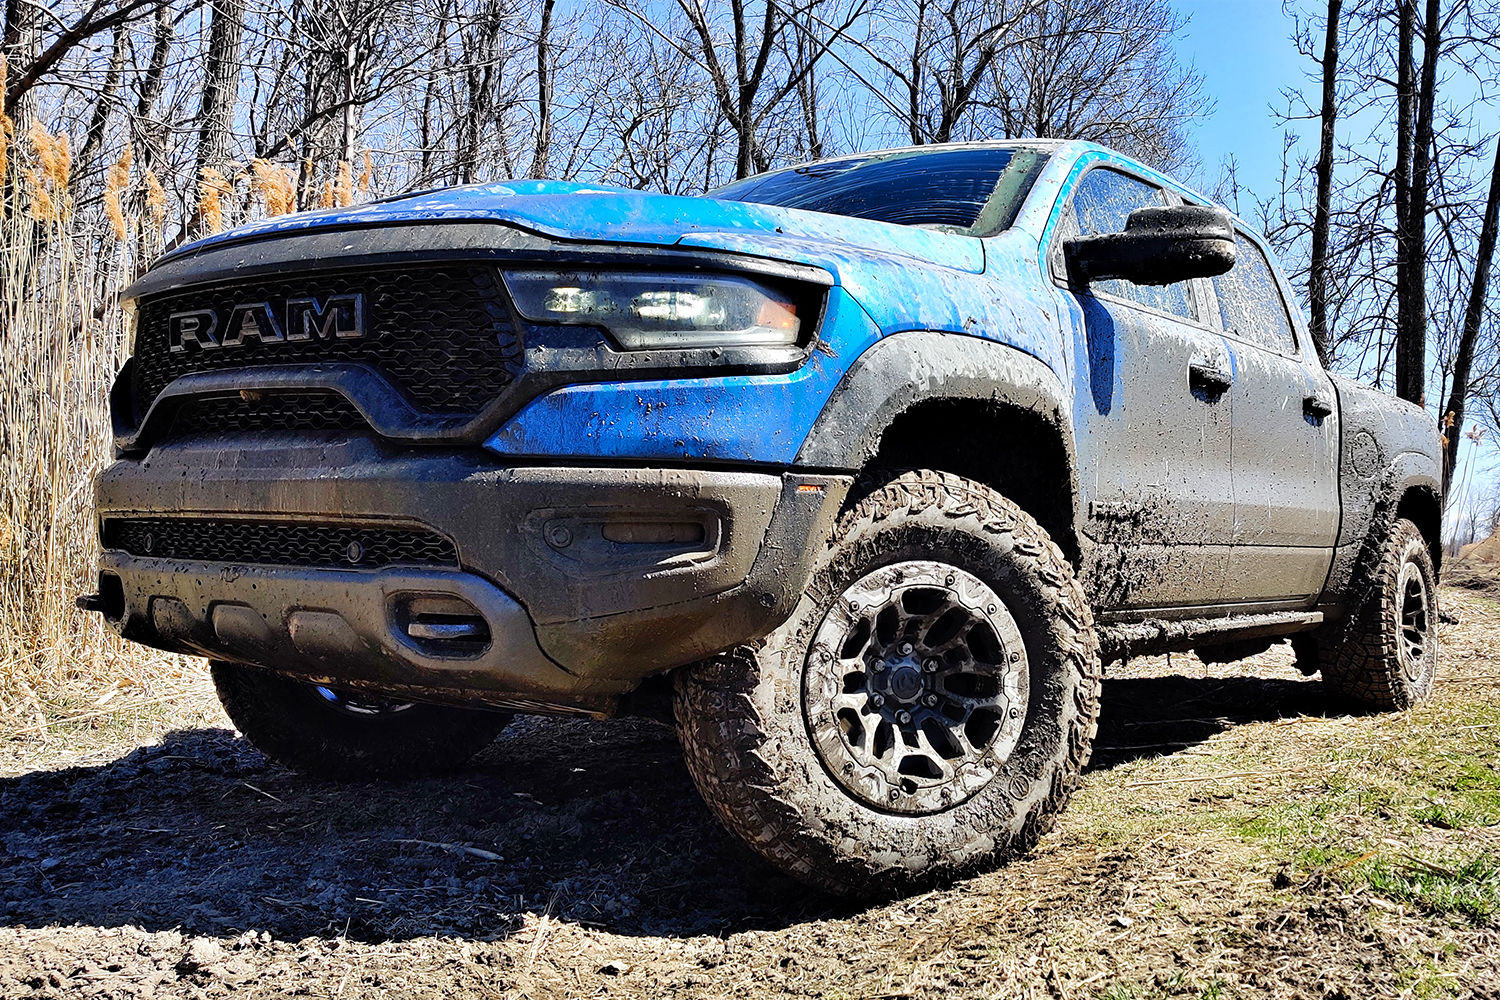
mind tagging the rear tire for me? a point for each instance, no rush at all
(1386, 657)
(346, 735)
(950, 604)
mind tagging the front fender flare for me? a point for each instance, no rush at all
(904, 370)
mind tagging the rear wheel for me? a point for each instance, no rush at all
(926, 710)
(346, 735)
(1386, 657)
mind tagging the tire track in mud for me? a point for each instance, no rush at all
(592, 822)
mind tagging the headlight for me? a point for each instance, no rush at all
(652, 311)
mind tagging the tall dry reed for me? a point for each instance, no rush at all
(61, 343)
(60, 346)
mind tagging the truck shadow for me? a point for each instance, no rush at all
(596, 823)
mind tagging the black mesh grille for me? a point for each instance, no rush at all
(282, 543)
(440, 333)
(312, 411)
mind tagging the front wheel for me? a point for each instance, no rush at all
(926, 710)
(345, 735)
(1387, 655)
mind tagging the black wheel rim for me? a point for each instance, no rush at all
(1416, 621)
(915, 687)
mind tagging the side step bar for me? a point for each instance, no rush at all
(1119, 642)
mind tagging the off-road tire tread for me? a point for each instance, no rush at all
(1362, 666)
(282, 719)
(726, 746)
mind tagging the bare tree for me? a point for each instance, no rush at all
(541, 148)
(1328, 112)
(739, 50)
(220, 84)
(1097, 69)
(937, 55)
(1474, 314)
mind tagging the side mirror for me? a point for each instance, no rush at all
(1159, 246)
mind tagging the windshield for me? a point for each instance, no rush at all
(975, 190)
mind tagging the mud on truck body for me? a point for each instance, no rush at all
(862, 467)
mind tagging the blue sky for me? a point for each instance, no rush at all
(1243, 50)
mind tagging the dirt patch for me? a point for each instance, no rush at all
(1481, 577)
(576, 858)
(1487, 551)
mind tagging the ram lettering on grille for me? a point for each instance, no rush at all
(443, 335)
(305, 319)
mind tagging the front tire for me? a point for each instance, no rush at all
(1386, 658)
(345, 735)
(923, 714)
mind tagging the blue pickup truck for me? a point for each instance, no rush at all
(857, 470)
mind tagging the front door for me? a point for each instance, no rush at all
(1152, 419)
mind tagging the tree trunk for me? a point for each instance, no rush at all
(1408, 384)
(1453, 421)
(220, 90)
(153, 146)
(541, 150)
(103, 107)
(1411, 345)
(1317, 275)
(220, 83)
(19, 47)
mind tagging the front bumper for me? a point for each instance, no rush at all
(587, 579)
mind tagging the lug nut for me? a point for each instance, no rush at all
(877, 700)
(903, 717)
(906, 649)
(879, 666)
(930, 700)
(931, 665)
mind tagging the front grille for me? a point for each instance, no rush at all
(311, 411)
(278, 543)
(442, 334)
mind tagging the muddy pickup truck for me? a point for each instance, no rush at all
(858, 470)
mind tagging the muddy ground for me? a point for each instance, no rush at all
(576, 859)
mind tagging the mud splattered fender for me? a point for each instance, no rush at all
(901, 371)
(1389, 450)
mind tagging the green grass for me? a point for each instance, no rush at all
(1174, 987)
(1469, 888)
(1435, 771)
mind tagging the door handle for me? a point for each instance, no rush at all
(1207, 377)
(1317, 406)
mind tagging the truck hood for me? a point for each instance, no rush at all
(598, 213)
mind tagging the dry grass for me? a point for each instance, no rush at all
(59, 351)
(65, 254)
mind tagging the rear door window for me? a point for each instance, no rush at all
(1250, 304)
(1102, 203)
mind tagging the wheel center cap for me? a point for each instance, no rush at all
(905, 683)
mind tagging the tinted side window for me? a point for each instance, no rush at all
(1250, 304)
(1103, 201)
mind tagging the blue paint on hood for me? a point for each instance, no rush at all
(591, 212)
